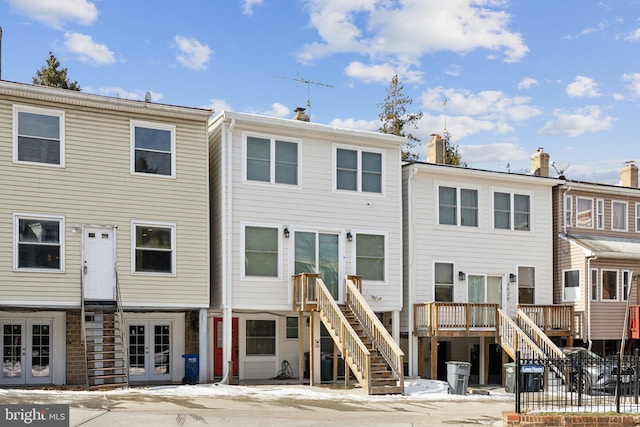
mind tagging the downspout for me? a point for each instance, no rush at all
(589, 298)
(227, 241)
(410, 278)
(625, 327)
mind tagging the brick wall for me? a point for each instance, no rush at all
(76, 372)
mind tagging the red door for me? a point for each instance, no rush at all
(217, 351)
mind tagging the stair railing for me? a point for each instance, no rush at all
(513, 339)
(123, 334)
(385, 344)
(538, 336)
(353, 350)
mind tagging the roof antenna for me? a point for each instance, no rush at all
(445, 133)
(308, 83)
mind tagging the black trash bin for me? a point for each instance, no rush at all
(191, 368)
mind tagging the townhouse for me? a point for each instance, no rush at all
(597, 256)
(291, 197)
(105, 231)
(476, 243)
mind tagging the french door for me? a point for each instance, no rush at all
(319, 253)
(150, 350)
(484, 289)
(26, 351)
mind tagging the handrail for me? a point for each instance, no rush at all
(385, 344)
(433, 316)
(512, 339)
(353, 350)
(538, 336)
(83, 326)
(123, 335)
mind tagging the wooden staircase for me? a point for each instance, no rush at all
(106, 362)
(382, 380)
(364, 344)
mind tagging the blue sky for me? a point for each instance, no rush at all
(517, 75)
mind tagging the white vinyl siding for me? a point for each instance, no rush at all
(38, 136)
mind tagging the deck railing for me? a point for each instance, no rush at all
(432, 317)
(385, 344)
(304, 292)
(513, 339)
(550, 318)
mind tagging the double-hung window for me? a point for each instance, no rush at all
(154, 245)
(526, 285)
(511, 211)
(358, 170)
(464, 213)
(260, 337)
(38, 242)
(261, 251)
(609, 285)
(568, 211)
(619, 216)
(370, 256)
(153, 148)
(584, 212)
(600, 214)
(443, 281)
(38, 136)
(271, 160)
(571, 285)
(638, 217)
(626, 282)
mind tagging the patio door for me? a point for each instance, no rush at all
(484, 289)
(150, 350)
(319, 253)
(26, 352)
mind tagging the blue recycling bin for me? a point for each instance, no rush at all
(191, 368)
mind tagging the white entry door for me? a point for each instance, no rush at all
(98, 270)
(150, 350)
(26, 351)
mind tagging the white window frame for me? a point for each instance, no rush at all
(272, 159)
(626, 215)
(616, 287)
(157, 126)
(591, 211)
(527, 287)
(264, 357)
(359, 171)
(174, 251)
(625, 282)
(458, 206)
(595, 284)
(280, 232)
(287, 329)
(512, 210)
(637, 217)
(16, 237)
(568, 211)
(385, 236)
(600, 214)
(564, 285)
(45, 112)
(453, 284)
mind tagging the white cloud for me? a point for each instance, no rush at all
(387, 29)
(277, 110)
(527, 82)
(134, 95)
(486, 105)
(583, 86)
(56, 13)
(192, 54)
(500, 152)
(87, 50)
(634, 82)
(585, 120)
(247, 7)
(634, 36)
(218, 105)
(381, 73)
(369, 125)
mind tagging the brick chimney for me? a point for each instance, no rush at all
(435, 149)
(301, 115)
(629, 175)
(540, 163)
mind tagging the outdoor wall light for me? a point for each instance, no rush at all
(349, 236)
(376, 297)
(286, 231)
(461, 275)
(513, 278)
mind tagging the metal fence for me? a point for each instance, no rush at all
(581, 382)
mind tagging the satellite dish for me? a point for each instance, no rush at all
(561, 167)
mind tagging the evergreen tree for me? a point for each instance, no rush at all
(52, 75)
(395, 119)
(451, 152)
